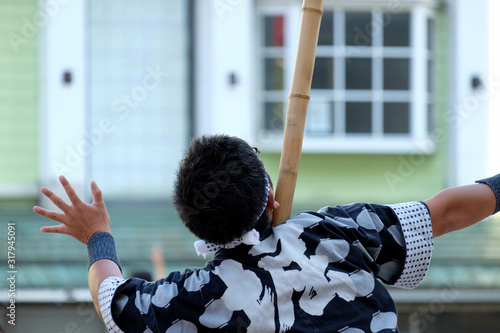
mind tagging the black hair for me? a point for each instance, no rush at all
(220, 191)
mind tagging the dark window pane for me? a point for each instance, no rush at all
(323, 74)
(358, 73)
(397, 30)
(358, 117)
(273, 30)
(358, 28)
(430, 34)
(273, 73)
(431, 120)
(397, 118)
(430, 76)
(326, 29)
(274, 116)
(396, 74)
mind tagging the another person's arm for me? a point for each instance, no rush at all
(82, 221)
(159, 266)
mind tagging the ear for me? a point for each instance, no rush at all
(271, 204)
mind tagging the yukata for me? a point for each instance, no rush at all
(317, 272)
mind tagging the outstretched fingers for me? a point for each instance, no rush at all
(96, 193)
(56, 229)
(70, 191)
(49, 214)
(55, 199)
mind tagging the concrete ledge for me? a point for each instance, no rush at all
(18, 191)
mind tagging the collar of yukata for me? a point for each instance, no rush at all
(251, 237)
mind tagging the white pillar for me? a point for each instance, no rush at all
(224, 47)
(63, 104)
(467, 115)
(494, 81)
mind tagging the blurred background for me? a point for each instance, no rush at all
(403, 104)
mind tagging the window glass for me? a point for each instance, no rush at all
(397, 30)
(320, 119)
(358, 117)
(274, 116)
(273, 73)
(273, 30)
(396, 74)
(358, 27)
(430, 78)
(358, 73)
(430, 34)
(397, 118)
(326, 29)
(323, 74)
(431, 120)
(144, 146)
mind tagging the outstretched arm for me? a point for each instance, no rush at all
(459, 207)
(82, 221)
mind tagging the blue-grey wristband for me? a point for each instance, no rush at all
(102, 246)
(494, 184)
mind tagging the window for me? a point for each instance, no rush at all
(139, 81)
(372, 88)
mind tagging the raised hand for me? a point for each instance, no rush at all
(80, 220)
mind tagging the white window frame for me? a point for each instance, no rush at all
(419, 140)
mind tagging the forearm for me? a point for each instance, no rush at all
(459, 207)
(103, 263)
(98, 272)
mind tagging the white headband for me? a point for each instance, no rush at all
(251, 237)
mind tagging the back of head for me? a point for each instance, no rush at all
(220, 192)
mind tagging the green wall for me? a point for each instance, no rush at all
(330, 179)
(18, 92)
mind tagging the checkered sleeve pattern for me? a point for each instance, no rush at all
(105, 296)
(417, 229)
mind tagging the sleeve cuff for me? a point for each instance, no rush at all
(106, 293)
(415, 221)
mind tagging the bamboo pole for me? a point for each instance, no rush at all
(298, 100)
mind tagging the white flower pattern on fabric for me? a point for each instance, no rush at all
(243, 293)
(142, 302)
(164, 294)
(197, 280)
(384, 321)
